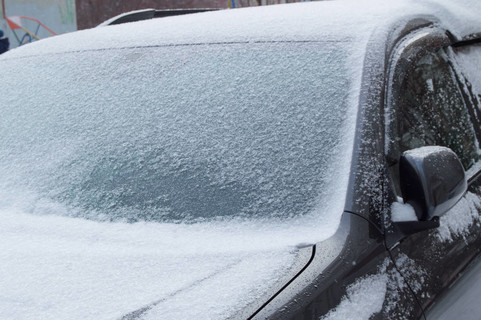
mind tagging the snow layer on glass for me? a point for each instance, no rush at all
(180, 133)
(86, 137)
(469, 58)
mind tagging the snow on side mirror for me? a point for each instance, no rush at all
(432, 180)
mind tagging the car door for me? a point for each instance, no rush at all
(462, 297)
(429, 104)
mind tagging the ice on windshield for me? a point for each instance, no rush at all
(177, 133)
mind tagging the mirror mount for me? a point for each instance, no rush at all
(412, 227)
(432, 181)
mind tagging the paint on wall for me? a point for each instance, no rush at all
(57, 15)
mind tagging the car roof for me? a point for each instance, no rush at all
(350, 21)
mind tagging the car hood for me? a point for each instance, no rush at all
(60, 267)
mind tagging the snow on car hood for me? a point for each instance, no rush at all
(60, 267)
(219, 156)
(53, 266)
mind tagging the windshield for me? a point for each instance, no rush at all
(175, 133)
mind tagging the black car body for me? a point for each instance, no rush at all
(419, 85)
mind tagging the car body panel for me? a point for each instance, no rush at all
(415, 269)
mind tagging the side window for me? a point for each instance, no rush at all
(468, 59)
(429, 109)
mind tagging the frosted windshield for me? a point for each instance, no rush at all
(176, 133)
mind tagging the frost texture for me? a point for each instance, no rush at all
(116, 136)
(167, 133)
(66, 268)
(294, 22)
(380, 292)
(422, 152)
(457, 220)
(116, 268)
(364, 298)
(398, 288)
(469, 59)
(180, 133)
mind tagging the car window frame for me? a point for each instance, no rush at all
(411, 48)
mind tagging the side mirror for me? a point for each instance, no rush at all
(432, 180)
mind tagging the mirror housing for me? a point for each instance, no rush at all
(432, 180)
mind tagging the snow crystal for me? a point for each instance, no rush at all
(82, 134)
(397, 288)
(410, 271)
(61, 267)
(241, 140)
(469, 58)
(380, 292)
(363, 299)
(402, 212)
(461, 17)
(457, 220)
(328, 21)
(207, 132)
(422, 152)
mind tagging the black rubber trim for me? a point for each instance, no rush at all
(287, 284)
(474, 177)
(369, 221)
(466, 42)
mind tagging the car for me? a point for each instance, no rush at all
(314, 160)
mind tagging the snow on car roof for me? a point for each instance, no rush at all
(314, 21)
(132, 265)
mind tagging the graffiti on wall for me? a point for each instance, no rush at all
(24, 21)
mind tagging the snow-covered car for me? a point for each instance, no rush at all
(314, 160)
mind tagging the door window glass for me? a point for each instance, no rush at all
(430, 110)
(469, 60)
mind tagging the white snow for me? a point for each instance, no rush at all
(363, 299)
(422, 152)
(381, 291)
(457, 220)
(402, 212)
(327, 21)
(57, 267)
(397, 288)
(96, 134)
(260, 130)
(469, 58)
